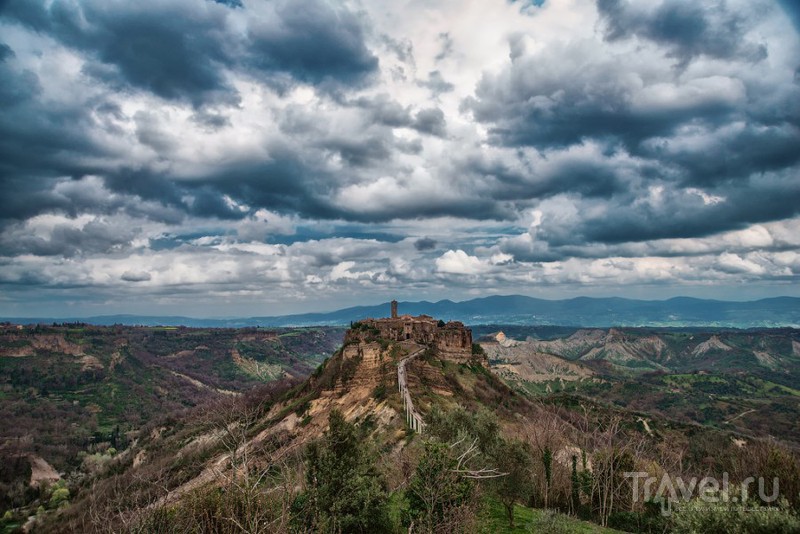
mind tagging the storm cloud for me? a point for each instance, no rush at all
(263, 157)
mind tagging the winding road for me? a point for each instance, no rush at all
(413, 418)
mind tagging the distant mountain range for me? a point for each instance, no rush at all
(512, 309)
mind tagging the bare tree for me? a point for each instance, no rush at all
(545, 434)
(615, 453)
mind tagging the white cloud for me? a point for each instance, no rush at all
(459, 262)
(736, 264)
(708, 200)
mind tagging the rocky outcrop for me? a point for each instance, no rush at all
(42, 472)
(364, 364)
(367, 353)
(713, 343)
(522, 361)
(454, 342)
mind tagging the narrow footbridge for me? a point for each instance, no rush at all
(413, 418)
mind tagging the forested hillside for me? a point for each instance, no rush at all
(70, 393)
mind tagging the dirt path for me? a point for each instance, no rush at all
(731, 420)
(200, 385)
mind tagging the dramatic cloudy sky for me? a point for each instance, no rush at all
(264, 157)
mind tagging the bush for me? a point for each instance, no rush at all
(59, 497)
(645, 522)
(440, 499)
(732, 518)
(379, 393)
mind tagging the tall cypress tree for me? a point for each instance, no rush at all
(345, 493)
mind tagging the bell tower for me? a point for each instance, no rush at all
(394, 309)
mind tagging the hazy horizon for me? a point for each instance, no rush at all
(359, 304)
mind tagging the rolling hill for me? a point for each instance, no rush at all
(741, 381)
(66, 390)
(269, 455)
(514, 309)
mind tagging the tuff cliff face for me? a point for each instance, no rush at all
(388, 372)
(371, 365)
(376, 349)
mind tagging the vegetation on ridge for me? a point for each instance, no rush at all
(334, 454)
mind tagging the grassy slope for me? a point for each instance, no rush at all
(495, 521)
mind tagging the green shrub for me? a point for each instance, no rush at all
(59, 497)
(379, 393)
(733, 518)
(345, 491)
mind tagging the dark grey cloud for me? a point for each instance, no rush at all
(549, 101)
(136, 276)
(383, 110)
(727, 137)
(675, 213)
(288, 184)
(156, 47)
(211, 121)
(42, 142)
(409, 146)
(558, 100)
(97, 236)
(206, 201)
(403, 48)
(35, 137)
(425, 243)
(519, 179)
(151, 46)
(317, 43)
(752, 149)
(145, 184)
(58, 142)
(688, 29)
(150, 132)
(17, 86)
(360, 152)
(430, 121)
(569, 93)
(12, 277)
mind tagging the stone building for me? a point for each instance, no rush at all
(452, 340)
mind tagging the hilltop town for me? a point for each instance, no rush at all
(451, 340)
(367, 342)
